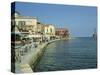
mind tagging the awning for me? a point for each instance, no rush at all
(34, 36)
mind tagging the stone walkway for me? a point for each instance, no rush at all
(30, 58)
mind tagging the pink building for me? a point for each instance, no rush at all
(62, 32)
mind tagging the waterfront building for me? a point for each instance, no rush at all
(40, 28)
(62, 33)
(21, 28)
(25, 23)
(49, 31)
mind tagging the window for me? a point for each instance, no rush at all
(21, 23)
(51, 30)
(47, 30)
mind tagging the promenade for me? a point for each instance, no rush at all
(31, 58)
(28, 38)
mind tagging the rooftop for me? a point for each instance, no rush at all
(18, 16)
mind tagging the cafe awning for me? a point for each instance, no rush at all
(35, 36)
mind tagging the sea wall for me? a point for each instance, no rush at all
(30, 61)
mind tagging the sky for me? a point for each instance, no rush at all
(81, 21)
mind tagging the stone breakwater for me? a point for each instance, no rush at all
(31, 59)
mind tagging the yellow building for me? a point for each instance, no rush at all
(45, 29)
(49, 31)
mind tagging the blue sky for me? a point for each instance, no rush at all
(80, 20)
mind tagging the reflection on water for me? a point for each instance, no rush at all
(78, 53)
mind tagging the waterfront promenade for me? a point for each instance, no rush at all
(28, 38)
(31, 58)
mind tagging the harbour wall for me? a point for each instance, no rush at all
(30, 61)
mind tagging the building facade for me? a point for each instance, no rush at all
(49, 31)
(40, 28)
(62, 33)
(25, 24)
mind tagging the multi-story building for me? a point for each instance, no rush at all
(49, 31)
(62, 33)
(24, 23)
(40, 28)
(21, 29)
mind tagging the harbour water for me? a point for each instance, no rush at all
(76, 53)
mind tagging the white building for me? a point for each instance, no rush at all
(25, 24)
